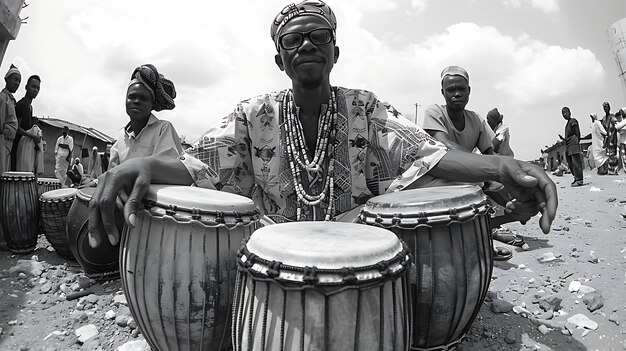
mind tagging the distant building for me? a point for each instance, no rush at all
(84, 140)
(556, 153)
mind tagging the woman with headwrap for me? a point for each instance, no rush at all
(145, 135)
(597, 144)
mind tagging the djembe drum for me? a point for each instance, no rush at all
(20, 211)
(178, 265)
(447, 230)
(322, 286)
(54, 207)
(99, 263)
(47, 184)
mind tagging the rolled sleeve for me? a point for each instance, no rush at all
(201, 174)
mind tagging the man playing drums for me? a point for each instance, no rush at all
(316, 150)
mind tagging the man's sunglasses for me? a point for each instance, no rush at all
(320, 36)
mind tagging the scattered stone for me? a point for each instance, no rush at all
(521, 311)
(543, 329)
(580, 320)
(584, 289)
(84, 282)
(86, 332)
(547, 257)
(574, 286)
(501, 306)
(110, 314)
(28, 267)
(585, 332)
(131, 323)
(121, 299)
(135, 345)
(551, 303)
(122, 320)
(510, 337)
(593, 301)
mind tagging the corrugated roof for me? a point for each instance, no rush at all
(59, 123)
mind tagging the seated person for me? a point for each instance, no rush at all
(462, 129)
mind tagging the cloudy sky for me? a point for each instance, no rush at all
(529, 58)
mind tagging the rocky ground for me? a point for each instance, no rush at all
(566, 292)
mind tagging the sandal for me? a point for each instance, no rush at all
(508, 238)
(501, 254)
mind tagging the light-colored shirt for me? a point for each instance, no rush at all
(8, 128)
(503, 136)
(157, 137)
(377, 151)
(8, 119)
(476, 134)
(64, 140)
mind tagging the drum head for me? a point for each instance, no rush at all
(432, 199)
(59, 194)
(326, 245)
(199, 198)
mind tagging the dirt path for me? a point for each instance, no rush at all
(586, 246)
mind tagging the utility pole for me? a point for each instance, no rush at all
(416, 106)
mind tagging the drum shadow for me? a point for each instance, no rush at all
(495, 331)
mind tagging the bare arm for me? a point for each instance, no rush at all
(134, 178)
(528, 184)
(443, 137)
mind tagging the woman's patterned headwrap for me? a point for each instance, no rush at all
(161, 89)
(305, 8)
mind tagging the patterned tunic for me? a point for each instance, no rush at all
(377, 151)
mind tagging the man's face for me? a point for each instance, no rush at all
(65, 130)
(13, 82)
(309, 64)
(138, 102)
(606, 107)
(32, 88)
(456, 91)
(566, 112)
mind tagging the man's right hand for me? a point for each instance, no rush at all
(36, 138)
(133, 177)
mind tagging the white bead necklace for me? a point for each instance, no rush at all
(324, 154)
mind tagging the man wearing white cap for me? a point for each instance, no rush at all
(8, 119)
(63, 155)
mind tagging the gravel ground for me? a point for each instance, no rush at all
(566, 292)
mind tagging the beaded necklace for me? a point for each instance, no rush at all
(324, 154)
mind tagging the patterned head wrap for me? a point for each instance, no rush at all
(316, 8)
(161, 89)
(594, 116)
(455, 71)
(11, 71)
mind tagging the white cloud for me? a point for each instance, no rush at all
(547, 6)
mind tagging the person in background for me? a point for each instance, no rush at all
(8, 119)
(76, 173)
(314, 151)
(94, 167)
(146, 135)
(610, 139)
(597, 145)
(463, 129)
(573, 153)
(104, 159)
(502, 141)
(620, 126)
(62, 155)
(28, 138)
